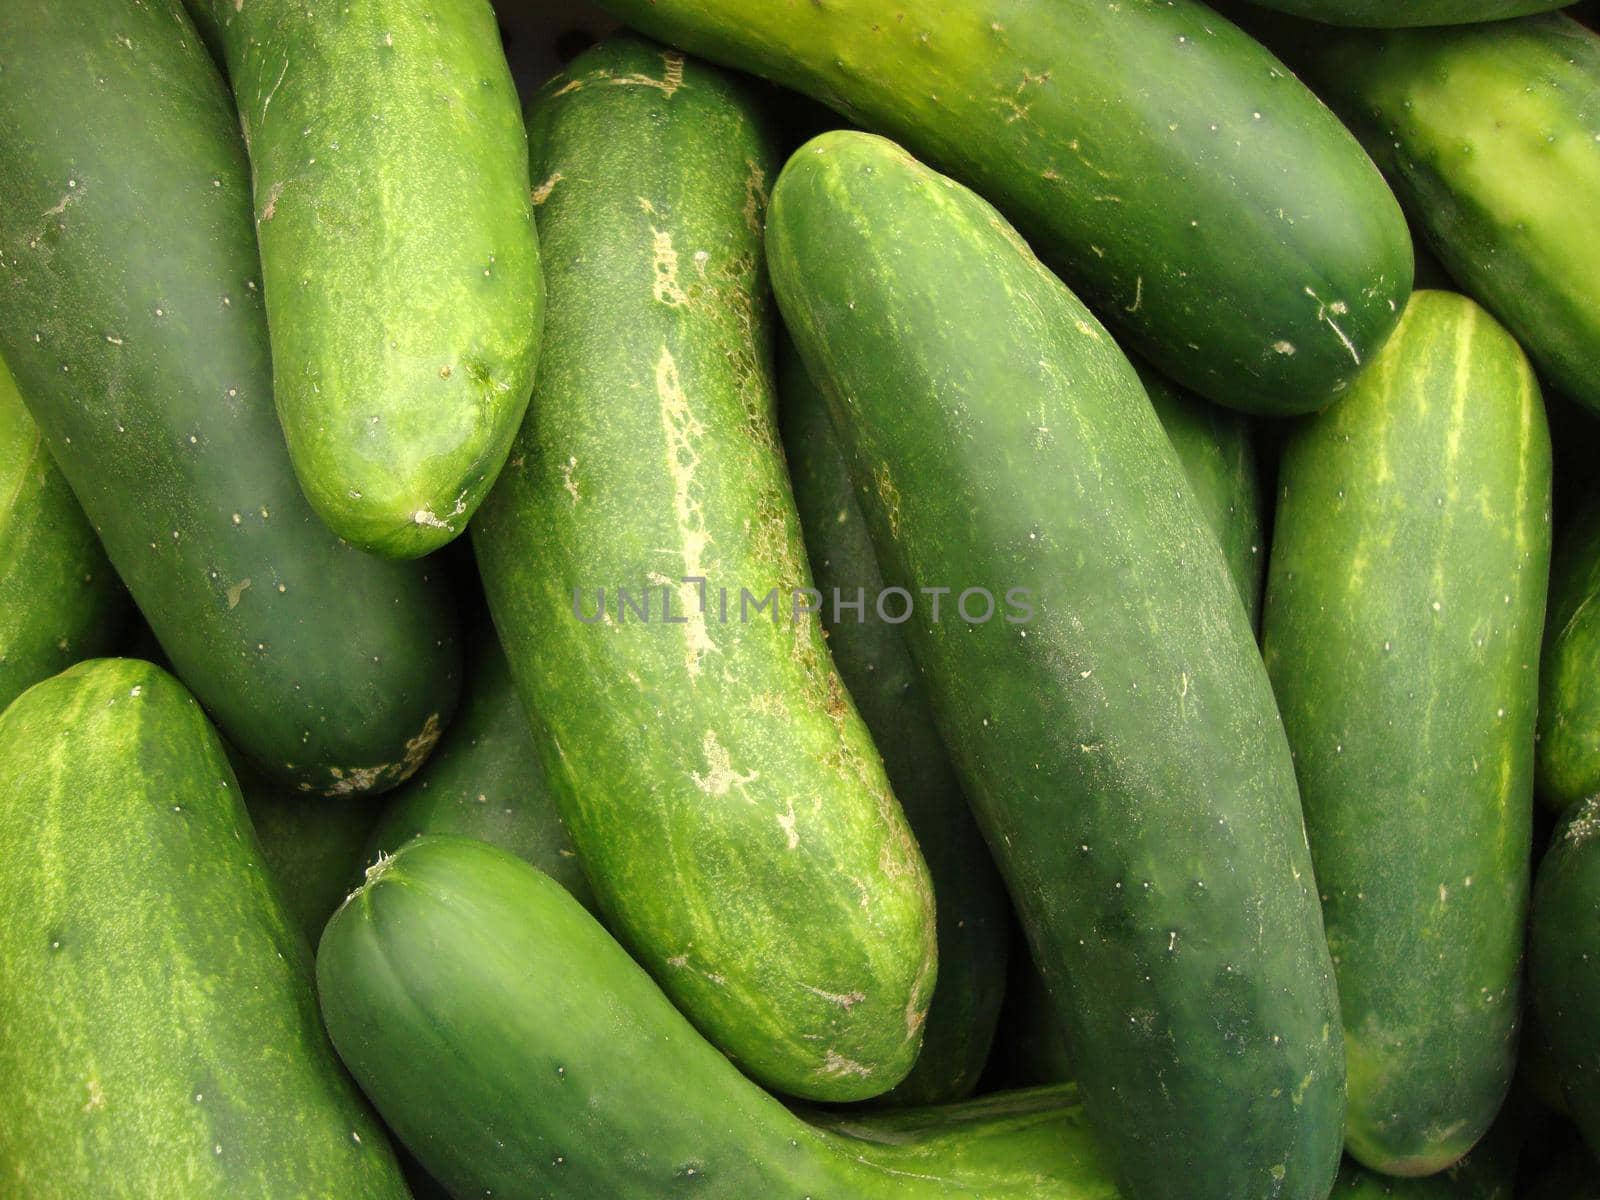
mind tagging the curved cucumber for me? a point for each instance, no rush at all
(1405, 606)
(60, 601)
(158, 1034)
(1109, 715)
(1569, 700)
(485, 781)
(1218, 455)
(398, 253)
(1179, 177)
(870, 652)
(519, 1052)
(726, 800)
(132, 319)
(1564, 955)
(1490, 135)
(1392, 13)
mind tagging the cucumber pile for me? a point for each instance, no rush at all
(844, 600)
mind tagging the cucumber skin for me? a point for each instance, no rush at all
(1004, 441)
(136, 308)
(485, 781)
(973, 913)
(727, 803)
(128, 1081)
(1397, 13)
(1564, 954)
(1522, 234)
(519, 1052)
(60, 601)
(1410, 559)
(1569, 707)
(1047, 110)
(1218, 453)
(401, 268)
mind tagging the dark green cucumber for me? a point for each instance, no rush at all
(974, 916)
(1569, 685)
(130, 313)
(158, 1033)
(60, 601)
(313, 845)
(1218, 455)
(1169, 166)
(1490, 135)
(1405, 607)
(1030, 1050)
(519, 1053)
(726, 800)
(398, 253)
(485, 781)
(1110, 719)
(1564, 954)
(1394, 13)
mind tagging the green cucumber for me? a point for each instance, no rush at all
(1490, 135)
(1564, 956)
(312, 844)
(60, 601)
(1394, 13)
(519, 1053)
(1218, 455)
(398, 254)
(725, 799)
(1186, 183)
(485, 781)
(1405, 607)
(158, 1033)
(1111, 720)
(1569, 700)
(1488, 1173)
(974, 916)
(131, 316)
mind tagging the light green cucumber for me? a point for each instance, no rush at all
(398, 252)
(726, 801)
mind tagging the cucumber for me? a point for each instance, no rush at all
(1389, 13)
(1218, 455)
(725, 798)
(519, 1052)
(1030, 1050)
(398, 252)
(1569, 686)
(1490, 135)
(974, 916)
(312, 845)
(158, 1033)
(131, 317)
(485, 781)
(60, 601)
(1185, 182)
(1111, 721)
(1575, 1176)
(1405, 607)
(1564, 955)
(1488, 1173)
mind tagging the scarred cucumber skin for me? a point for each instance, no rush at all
(1490, 135)
(974, 916)
(398, 252)
(1569, 702)
(1564, 956)
(1405, 610)
(60, 601)
(130, 313)
(520, 1053)
(1385, 13)
(158, 1032)
(725, 799)
(1121, 749)
(1171, 169)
